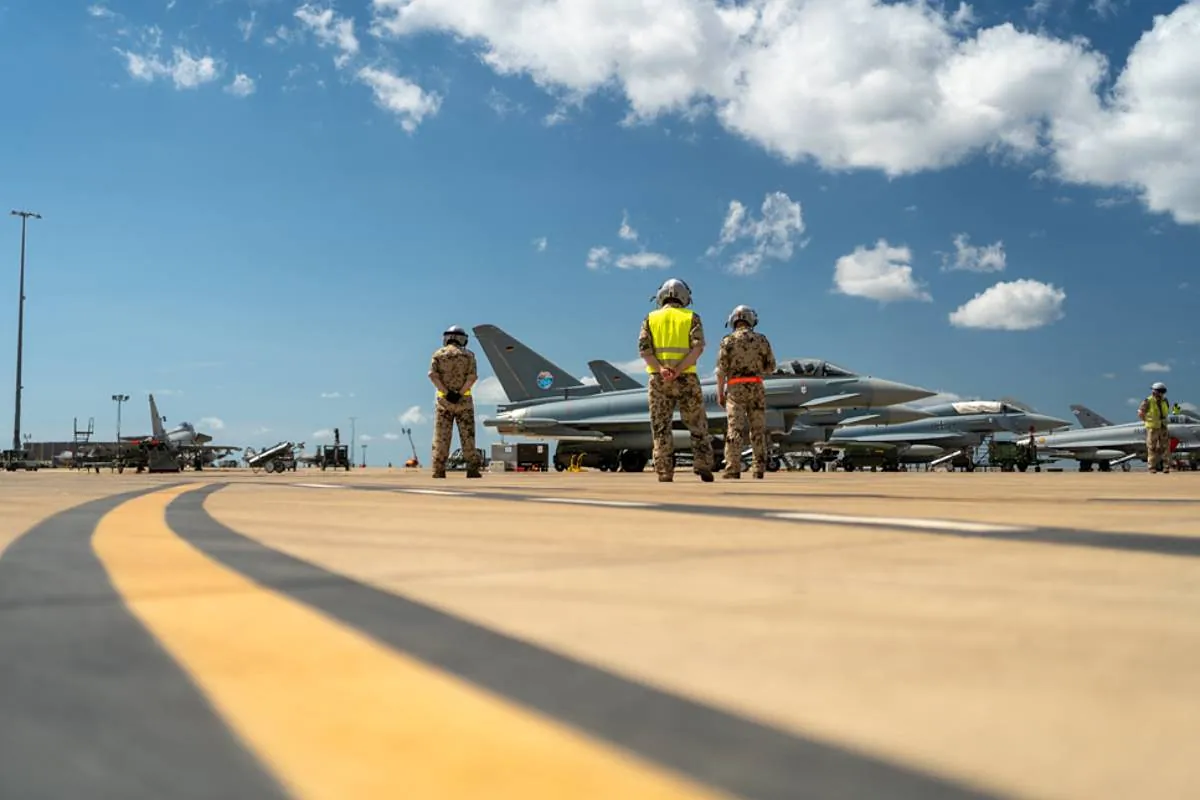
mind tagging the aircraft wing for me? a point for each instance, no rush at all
(839, 399)
(898, 438)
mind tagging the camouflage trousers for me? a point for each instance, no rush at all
(446, 414)
(665, 396)
(745, 409)
(1158, 443)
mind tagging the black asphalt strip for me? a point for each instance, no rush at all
(714, 747)
(1155, 543)
(90, 705)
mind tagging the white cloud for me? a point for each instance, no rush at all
(363, 437)
(489, 392)
(1156, 366)
(242, 86)
(1133, 401)
(185, 70)
(1012, 306)
(246, 26)
(1109, 376)
(391, 437)
(400, 96)
(1146, 137)
(100, 12)
(323, 435)
(413, 416)
(772, 236)
(899, 87)
(330, 30)
(643, 260)
(330, 395)
(597, 257)
(260, 431)
(627, 231)
(882, 273)
(540, 244)
(971, 258)
(212, 423)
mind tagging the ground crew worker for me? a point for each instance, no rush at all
(670, 342)
(1176, 409)
(745, 356)
(452, 371)
(1153, 412)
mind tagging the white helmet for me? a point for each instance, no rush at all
(1159, 387)
(673, 289)
(744, 314)
(454, 335)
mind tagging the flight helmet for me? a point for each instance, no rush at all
(673, 289)
(744, 314)
(454, 335)
(1159, 387)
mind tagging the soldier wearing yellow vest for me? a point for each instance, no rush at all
(670, 342)
(452, 371)
(1153, 412)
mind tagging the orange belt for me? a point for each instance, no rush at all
(747, 379)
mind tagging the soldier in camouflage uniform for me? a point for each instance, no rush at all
(452, 370)
(670, 342)
(1154, 412)
(744, 358)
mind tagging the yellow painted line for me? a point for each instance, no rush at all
(333, 713)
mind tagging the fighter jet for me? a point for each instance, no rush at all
(183, 440)
(1113, 445)
(611, 379)
(952, 429)
(1088, 418)
(612, 428)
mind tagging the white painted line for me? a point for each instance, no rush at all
(319, 485)
(901, 522)
(437, 491)
(583, 501)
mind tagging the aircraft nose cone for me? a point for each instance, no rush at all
(1043, 422)
(891, 393)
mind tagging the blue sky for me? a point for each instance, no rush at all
(266, 212)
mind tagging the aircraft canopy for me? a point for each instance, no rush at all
(811, 368)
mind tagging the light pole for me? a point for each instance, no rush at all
(119, 398)
(24, 215)
(353, 442)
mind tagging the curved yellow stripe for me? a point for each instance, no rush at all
(333, 713)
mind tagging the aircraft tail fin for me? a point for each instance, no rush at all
(612, 379)
(523, 374)
(1088, 418)
(156, 421)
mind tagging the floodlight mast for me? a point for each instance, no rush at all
(16, 441)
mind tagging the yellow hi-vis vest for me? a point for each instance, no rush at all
(670, 329)
(1156, 413)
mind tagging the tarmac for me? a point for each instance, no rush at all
(381, 634)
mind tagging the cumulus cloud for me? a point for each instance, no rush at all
(212, 423)
(600, 257)
(330, 30)
(882, 273)
(391, 437)
(413, 416)
(971, 258)
(1155, 366)
(899, 87)
(400, 96)
(183, 69)
(540, 244)
(242, 86)
(771, 236)
(1012, 306)
(489, 392)
(325, 434)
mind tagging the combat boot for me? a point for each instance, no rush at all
(474, 473)
(705, 475)
(441, 473)
(734, 476)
